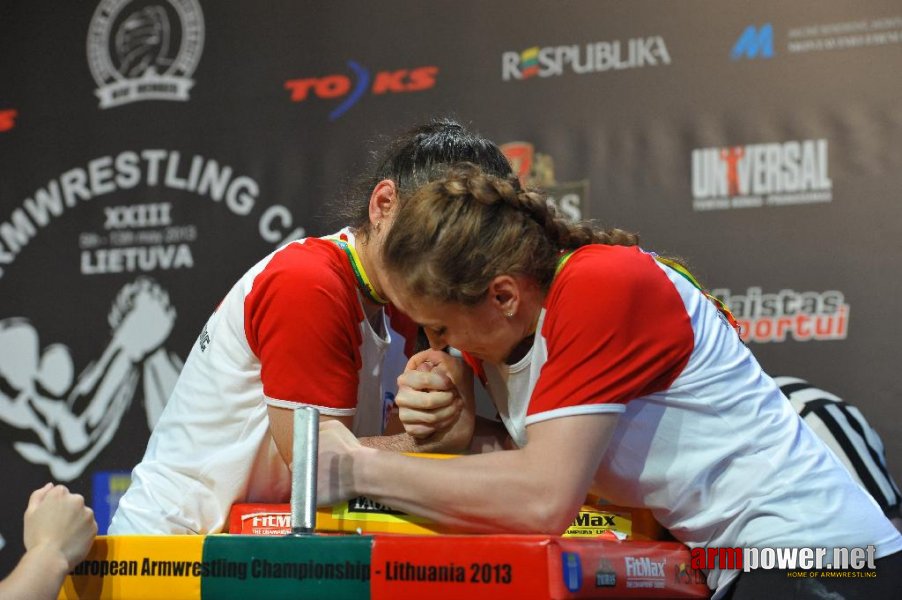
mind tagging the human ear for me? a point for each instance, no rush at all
(504, 294)
(382, 201)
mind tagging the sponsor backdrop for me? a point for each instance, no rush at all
(152, 150)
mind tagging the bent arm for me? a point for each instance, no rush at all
(440, 397)
(281, 424)
(445, 441)
(546, 481)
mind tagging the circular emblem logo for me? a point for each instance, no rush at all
(144, 50)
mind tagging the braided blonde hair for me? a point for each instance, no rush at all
(453, 236)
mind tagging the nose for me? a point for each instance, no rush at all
(436, 342)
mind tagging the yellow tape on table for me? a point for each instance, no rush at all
(139, 568)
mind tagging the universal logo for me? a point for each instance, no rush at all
(756, 175)
(144, 51)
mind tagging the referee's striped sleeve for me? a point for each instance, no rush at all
(847, 433)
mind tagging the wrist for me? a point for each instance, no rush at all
(363, 459)
(52, 559)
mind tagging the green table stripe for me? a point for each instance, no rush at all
(265, 567)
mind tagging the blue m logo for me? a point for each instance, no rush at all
(755, 43)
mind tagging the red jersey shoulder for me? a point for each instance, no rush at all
(312, 276)
(616, 328)
(595, 269)
(313, 264)
(620, 288)
(302, 321)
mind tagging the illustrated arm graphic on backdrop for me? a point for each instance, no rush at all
(74, 423)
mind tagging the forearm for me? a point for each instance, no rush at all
(537, 488)
(100, 382)
(496, 492)
(403, 442)
(400, 442)
(38, 575)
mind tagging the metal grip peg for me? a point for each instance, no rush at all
(304, 453)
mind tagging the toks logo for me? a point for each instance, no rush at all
(755, 175)
(341, 86)
(7, 119)
(804, 316)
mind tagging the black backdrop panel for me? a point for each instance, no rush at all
(152, 150)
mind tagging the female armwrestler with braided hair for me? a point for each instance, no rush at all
(614, 374)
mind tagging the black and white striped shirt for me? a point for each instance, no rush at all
(845, 431)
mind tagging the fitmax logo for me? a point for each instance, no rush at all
(342, 86)
(754, 42)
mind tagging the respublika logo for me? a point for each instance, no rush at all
(352, 88)
(755, 42)
(755, 175)
(140, 51)
(616, 55)
(7, 119)
(801, 316)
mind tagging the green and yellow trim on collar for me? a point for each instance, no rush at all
(363, 282)
(561, 261)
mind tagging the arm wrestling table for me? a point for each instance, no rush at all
(362, 550)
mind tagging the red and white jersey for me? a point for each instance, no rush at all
(291, 332)
(705, 439)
